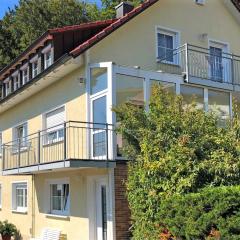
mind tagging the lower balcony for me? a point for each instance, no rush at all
(69, 145)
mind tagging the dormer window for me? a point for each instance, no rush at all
(7, 84)
(16, 83)
(25, 75)
(35, 69)
(48, 56)
(48, 59)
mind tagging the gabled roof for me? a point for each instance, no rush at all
(111, 28)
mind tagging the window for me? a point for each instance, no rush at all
(48, 59)
(25, 75)
(16, 82)
(34, 69)
(7, 85)
(98, 80)
(167, 41)
(54, 121)
(195, 94)
(219, 102)
(20, 136)
(19, 196)
(59, 199)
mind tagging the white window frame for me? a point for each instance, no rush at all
(34, 70)
(58, 182)
(7, 85)
(15, 138)
(46, 139)
(15, 208)
(176, 42)
(25, 77)
(16, 81)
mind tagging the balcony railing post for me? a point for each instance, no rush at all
(232, 69)
(187, 61)
(65, 141)
(39, 147)
(19, 153)
(107, 154)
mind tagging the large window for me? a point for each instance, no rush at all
(35, 69)
(191, 94)
(48, 59)
(129, 89)
(98, 80)
(7, 85)
(19, 196)
(54, 124)
(16, 82)
(219, 102)
(25, 75)
(59, 198)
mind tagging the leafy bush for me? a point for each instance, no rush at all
(197, 215)
(7, 229)
(176, 149)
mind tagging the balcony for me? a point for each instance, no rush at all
(70, 145)
(200, 66)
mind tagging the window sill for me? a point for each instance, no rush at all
(50, 215)
(19, 211)
(53, 143)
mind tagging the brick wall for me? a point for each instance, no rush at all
(122, 212)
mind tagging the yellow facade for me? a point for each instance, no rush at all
(133, 44)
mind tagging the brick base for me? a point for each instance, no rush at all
(122, 212)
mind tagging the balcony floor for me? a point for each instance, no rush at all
(58, 165)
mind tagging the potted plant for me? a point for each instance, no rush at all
(7, 230)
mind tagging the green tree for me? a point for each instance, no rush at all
(174, 150)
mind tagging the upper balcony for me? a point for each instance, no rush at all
(211, 67)
(69, 145)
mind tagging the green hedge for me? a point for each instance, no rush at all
(194, 216)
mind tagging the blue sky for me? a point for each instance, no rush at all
(4, 4)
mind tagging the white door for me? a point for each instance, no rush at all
(101, 211)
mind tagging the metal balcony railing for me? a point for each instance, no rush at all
(198, 62)
(71, 140)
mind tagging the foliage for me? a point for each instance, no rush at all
(7, 229)
(176, 149)
(200, 213)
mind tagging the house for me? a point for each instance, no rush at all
(62, 165)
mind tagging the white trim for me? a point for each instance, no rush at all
(24, 67)
(34, 59)
(49, 215)
(14, 74)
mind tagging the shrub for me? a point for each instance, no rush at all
(7, 229)
(209, 213)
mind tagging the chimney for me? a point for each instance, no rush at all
(123, 8)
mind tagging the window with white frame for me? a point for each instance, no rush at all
(48, 59)
(54, 125)
(59, 198)
(16, 82)
(7, 84)
(167, 41)
(35, 69)
(19, 196)
(20, 136)
(25, 75)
